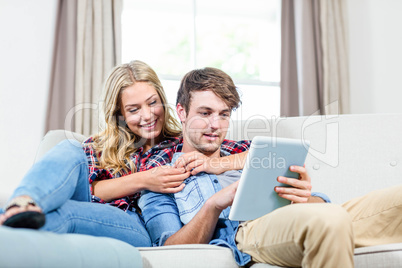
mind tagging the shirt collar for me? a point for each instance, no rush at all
(167, 143)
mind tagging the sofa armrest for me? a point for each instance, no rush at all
(53, 137)
(32, 248)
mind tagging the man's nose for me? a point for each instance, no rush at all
(214, 122)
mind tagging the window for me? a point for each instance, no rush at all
(241, 38)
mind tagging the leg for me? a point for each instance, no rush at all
(62, 174)
(307, 235)
(376, 217)
(98, 220)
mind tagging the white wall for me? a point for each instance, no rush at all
(375, 55)
(27, 36)
(27, 29)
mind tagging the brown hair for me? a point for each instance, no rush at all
(208, 79)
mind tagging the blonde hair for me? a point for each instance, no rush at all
(117, 142)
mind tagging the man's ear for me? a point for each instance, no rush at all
(181, 112)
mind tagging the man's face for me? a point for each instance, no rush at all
(206, 123)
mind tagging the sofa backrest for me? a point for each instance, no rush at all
(349, 155)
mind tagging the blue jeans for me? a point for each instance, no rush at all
(59, 184)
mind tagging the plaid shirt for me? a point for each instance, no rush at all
(164, 157)
(139, 158)
(159, 155)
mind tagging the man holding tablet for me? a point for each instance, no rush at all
(301, 234)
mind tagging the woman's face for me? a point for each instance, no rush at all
(143, 112)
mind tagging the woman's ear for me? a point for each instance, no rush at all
(181, 112)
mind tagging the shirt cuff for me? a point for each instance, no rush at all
(165, 237)
(322, 196)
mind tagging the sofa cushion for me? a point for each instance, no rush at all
(180, 256)
(194, 256)
(389, 255)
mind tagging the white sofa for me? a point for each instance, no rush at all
(349, 156)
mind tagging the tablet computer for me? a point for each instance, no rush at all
(268, 158)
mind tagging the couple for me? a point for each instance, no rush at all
(130, 157)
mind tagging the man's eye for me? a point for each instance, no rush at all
(204, 113)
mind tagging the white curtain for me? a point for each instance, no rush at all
(314, 64)
(87, 46)
(98, 51)
(61, 93)
(335, 41)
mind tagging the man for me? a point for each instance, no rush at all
(308, 235)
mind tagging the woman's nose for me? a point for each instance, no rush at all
(146, 113)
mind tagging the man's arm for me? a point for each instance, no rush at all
(201, 228)
(315, 199)
(161, 216)
(162, 219)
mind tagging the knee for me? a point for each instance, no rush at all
(72, 147)
(72, 151)
(332, 218)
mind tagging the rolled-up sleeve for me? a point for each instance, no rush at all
(322, 196)
(161, 216)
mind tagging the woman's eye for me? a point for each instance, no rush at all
(153, 102)
(133, 110)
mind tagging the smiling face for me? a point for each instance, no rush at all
(205, 124)
(143, 112)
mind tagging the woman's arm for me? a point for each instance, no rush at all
(197, 162)
(164, 179)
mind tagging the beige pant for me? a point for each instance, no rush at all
(323, 235)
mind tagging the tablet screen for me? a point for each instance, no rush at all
(267, 159)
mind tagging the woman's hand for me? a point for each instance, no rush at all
(196, 162)
(166, 179)
(300, 190)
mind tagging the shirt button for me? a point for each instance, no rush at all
(215, 180)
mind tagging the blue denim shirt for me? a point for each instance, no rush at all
(165, 214)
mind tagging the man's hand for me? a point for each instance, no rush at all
(196, 162)
(300, 190)
(224, 197)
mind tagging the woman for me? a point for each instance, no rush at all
(138, 123)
